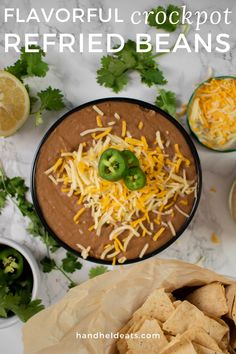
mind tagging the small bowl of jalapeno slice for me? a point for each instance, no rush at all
(19, 282)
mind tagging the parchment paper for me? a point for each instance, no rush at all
(104, 304)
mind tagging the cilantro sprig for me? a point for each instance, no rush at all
(16, 190)
(29, 64)
(15, 297)
(50, 100)
(32, 64)
(167, 101)
(95, 271)
(115, 69)
(69, 265)
(165, 25)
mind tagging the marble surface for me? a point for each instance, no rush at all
(75, 74)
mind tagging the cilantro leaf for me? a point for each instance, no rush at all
(19, 69)
(26, 311)
(113, 73)
(95, 271)
(3, 199)
(115, 69)
(70, 264)
(29, 64)
(167, 101)
(35, 66)
(167, 25)
(17, 302)
(48, 264)
(51, 99)
(153, 76)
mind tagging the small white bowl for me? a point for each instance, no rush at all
(7, 322)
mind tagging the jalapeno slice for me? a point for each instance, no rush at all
(112, 165)
(131, 158)
(135, 179)
(11, 262)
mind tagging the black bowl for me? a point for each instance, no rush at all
(147, 106)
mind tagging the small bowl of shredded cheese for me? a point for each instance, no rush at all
(211, 113)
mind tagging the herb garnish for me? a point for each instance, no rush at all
(115, 68)
(16, 189)
(95, 271)
(165, 25)
(15, 297)
(166, 100)
(33, 65)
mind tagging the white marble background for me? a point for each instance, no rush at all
(75, 75)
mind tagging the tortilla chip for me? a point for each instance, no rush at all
(158, 305)
(210, 299)
(230, 292)
(179, 346)
(187, 315)
(148, 345)
(200, 336)
(200, 349)
(130, 327)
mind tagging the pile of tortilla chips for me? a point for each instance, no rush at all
(188, 321)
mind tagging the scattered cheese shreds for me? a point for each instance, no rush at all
(98, 110)
(215, 239)
(181, 211)
(142, 253)
(140, 125)
(124, 125)
(172, 229)
(80, 212)
(158, 234)
(116, 115)
(122, 260)
(99, 121)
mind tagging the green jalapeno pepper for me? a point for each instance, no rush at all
(11, 262)
(112, 165)
(131, 158)
(135, 179)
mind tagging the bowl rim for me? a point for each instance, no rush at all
(27, 254)
(221, 77)
(144, 105)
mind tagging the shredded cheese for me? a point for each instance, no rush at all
(116, 115)
(99, 121)
(158, 234)
(142, 253)
(124, 125)
(98, 110)
(172, 229)
(213, 113)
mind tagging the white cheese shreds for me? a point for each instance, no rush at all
(172, 229)
(91, 131)
(116, 115)
(122, 260)
(53, 179)
(111, 123)
(181, 211)
(142, 253)
(106, 251)
(98, 110)
(158, 140)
